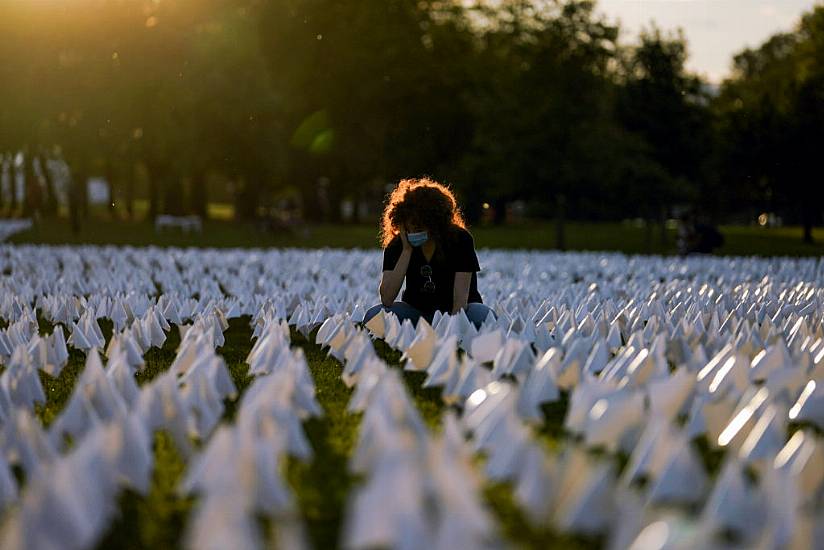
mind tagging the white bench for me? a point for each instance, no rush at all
(186, 223)
(10, 227)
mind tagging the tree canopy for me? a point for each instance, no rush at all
(327, 100)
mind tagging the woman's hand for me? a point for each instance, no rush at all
(405, 241)
(460, 292)
(392, 280)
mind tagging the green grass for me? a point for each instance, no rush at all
(237, 345)
(157, 360)
(322, 486)
(498, 497)
(780, 241)
(520, 532)
(427, 400)
(622, 237)
(158, 519)
(58, 389)
(216, 234)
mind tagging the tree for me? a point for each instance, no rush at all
(666, 110)
(770, 114)
(368, 101)
(541, 98)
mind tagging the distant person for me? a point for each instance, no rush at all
(426, 243)
(696, 236)
(686, 237)
(708, 238)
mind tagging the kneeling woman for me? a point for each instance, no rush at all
(426, 242)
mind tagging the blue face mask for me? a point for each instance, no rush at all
(417, 239)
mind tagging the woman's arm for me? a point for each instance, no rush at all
(460, 293)
(391, 281)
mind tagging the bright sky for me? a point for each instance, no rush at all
(715, 29)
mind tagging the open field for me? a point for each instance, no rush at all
(625, 237)
(529, 431)
(157, 519)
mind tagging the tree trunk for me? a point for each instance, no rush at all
(472, 208)
(50, 203)
(130, 181)
(173, 196)
(335, 195)
(247, 197)
(75, 200)
(83, 194)
(12, 185)
(808, 218)
(153, 173)
(31, 186)
(808, 230)
(663, 220)
(499, 210)
(199, 195)
(2, 171)
(560, 220)
(309, 202)
(110, 179)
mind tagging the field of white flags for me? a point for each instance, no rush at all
(161, 398)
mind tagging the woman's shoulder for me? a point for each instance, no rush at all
(394, 242)
(459, 239)
(462, 235)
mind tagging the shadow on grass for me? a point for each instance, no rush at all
(236, 347)
(428, 400)
(158, 519)
(322, 486)
(499, 497)
(520, 532)
(158, 360)
(58, 389)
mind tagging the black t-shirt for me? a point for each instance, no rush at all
(457, 254)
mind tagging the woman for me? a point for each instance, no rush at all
(426, 243)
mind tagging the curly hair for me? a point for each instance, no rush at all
(421, 201)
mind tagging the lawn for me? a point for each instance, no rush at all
(322, 486)
(621, 237)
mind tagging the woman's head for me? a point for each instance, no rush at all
(418, 205)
